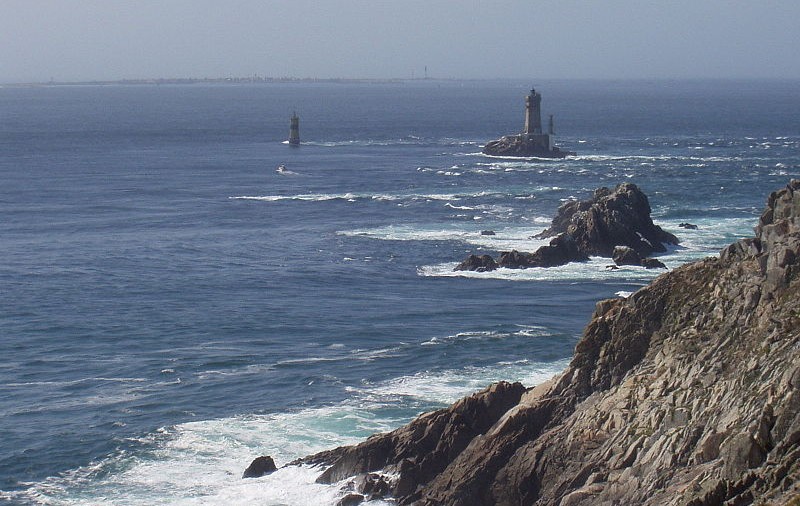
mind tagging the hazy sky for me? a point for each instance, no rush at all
(116, 39)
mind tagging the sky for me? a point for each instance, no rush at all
(80, 40)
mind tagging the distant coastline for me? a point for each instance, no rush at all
(256, 79)
(212, 80)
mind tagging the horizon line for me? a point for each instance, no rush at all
(260, 79)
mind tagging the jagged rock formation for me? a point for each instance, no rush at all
(611, 218)
(592, 227)
(685, 393)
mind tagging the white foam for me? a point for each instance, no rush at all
(450, 385)
(505, 239)
(351, 196)
(592, 270)
(199, 463)
(311, 197)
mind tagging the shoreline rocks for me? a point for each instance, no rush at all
(686, 393)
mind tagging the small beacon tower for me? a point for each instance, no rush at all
(294, 130)
(533, 113)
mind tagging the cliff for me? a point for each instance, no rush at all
(685, 393)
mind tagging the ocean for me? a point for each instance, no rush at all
(173, 307)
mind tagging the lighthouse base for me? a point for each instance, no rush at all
(525, 145)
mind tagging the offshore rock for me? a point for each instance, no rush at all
(686, 393)
(483, 263)
(594, 227)
(561, 250)
(523, 146)
(653, 263)
(260, 466)
(611, 218)
(623, 255)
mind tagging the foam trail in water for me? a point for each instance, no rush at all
(504, 239)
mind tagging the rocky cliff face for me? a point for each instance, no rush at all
(685, 393)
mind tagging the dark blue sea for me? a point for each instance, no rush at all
(172, 306)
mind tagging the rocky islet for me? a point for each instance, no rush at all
(612, 223)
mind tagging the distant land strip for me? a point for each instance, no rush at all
(215, 80)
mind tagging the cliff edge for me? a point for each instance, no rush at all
(685, 393)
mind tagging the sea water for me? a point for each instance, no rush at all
(174, 307)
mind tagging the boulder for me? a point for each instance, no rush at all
(652, 263)
(625, 255)
(488, 232)
(350, 500)
(688, 226)
(483, 263)
(561, 250)
(259, 467)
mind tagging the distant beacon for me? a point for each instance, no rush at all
(294, 130)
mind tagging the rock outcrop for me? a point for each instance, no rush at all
(609, 219)
(624, 255)
(561, 250)
(259, 467)
(482, 263)
(686, 393)
(593, 227)
(524, 146)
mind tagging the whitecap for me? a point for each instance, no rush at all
(504, 239)
(199, 463)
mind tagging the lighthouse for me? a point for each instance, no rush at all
(532, 142)
(294, 130)
(533, 113)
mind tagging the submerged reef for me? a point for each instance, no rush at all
(685, 393)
